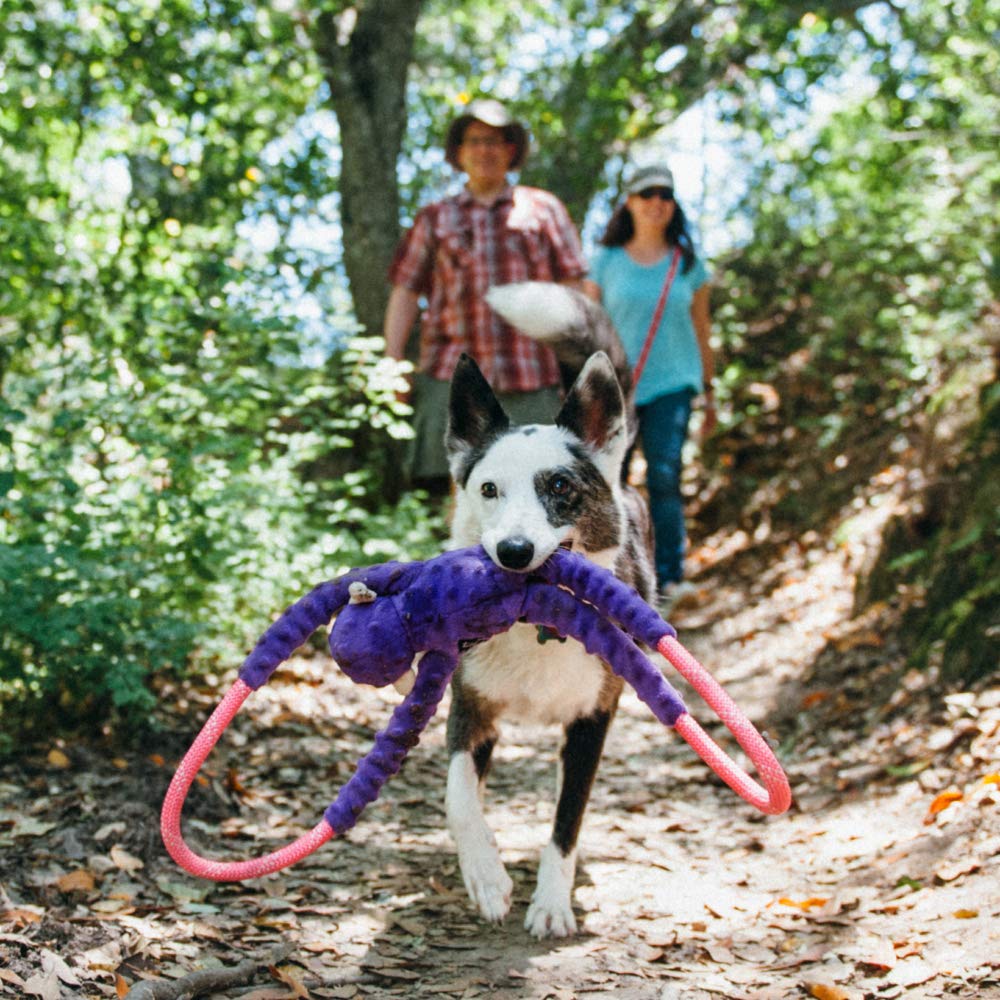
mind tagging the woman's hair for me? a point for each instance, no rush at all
(621, 228)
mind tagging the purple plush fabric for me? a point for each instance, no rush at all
(394, 742)
(614, 599)
(441, 605)
(458, 596)
(561, 610)
(299, 621)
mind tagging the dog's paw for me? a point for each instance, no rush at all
(550, 917)
(551, 911)
(488, 884)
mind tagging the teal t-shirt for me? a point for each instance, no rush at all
(629, 293)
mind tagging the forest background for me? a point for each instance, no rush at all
(198, 200)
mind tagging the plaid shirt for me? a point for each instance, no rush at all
(457, 249)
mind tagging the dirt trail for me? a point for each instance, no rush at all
(881, 882)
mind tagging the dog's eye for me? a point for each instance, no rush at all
(489, 491)
(559, 485)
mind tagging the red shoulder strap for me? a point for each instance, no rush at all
(657, 316)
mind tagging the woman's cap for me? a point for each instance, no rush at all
(647, 177)
(489, 112)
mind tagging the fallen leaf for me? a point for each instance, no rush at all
(125, 861)
(392, 973)
(814, 699)
(27, 826)
(57, 758)
(414, 927)
(806, 904)
(661, 937)
(911, 973)
(906, 949)
(80, 880)
(942, 802)
(51, 962)
(823, 991)
(44, 985)
(233, 783)
(108, 830)
(22, 916)
(13, 978)
(850, 642)
(807, 957)
(948, 873)
(877, 953)
(114, 904)
(286, 976)
(966, 914)
(321, 947)
(720, 953)
(439, 887)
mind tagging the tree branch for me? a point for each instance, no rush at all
(205, 981)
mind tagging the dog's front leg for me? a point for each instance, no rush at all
(551, 911)
(471, 737)
(488, 884)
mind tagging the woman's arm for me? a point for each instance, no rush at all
(702, 319)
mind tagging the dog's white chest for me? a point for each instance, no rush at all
(540, 683)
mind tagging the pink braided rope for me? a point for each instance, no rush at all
(173, 803)
(776, 796)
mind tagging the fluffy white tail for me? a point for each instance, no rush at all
(540, 309)
(572, 324)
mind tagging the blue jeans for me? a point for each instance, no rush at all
(663, 427)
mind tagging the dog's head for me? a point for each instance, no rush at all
(524, 491)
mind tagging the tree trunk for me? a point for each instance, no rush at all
(365, 51)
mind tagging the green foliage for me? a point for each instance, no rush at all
(871, 260)
(595, 77)
(156, 405)
(144, 523)
(858, 319)
(185, 447)
(941, 552)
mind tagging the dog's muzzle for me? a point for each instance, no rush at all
(515, 553)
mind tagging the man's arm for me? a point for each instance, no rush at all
(400, 315)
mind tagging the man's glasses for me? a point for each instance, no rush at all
(663, 193)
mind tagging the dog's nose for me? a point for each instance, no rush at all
(515, 553)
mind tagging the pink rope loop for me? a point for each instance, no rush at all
(776, 795)
(173, 803)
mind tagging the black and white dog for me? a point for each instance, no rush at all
(522, 491)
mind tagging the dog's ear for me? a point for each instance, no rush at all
(475, 418)
(594, 410)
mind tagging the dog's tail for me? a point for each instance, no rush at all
(573, 325)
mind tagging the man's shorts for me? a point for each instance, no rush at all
(427, 458)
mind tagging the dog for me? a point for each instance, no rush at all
(521, 492)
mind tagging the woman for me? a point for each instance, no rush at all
(646, 247)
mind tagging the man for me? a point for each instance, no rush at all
(490, 233)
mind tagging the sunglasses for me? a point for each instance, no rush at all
(663, 193)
